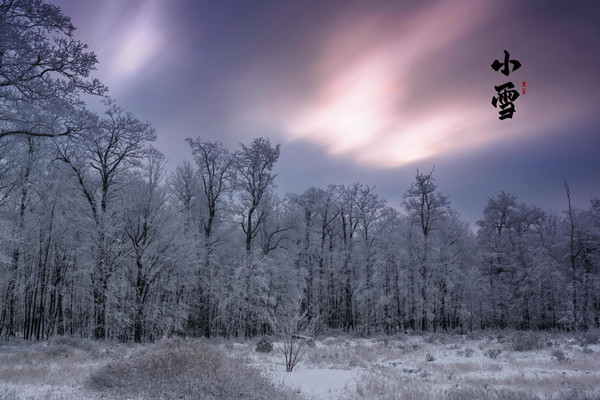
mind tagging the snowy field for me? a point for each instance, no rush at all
(483, 366)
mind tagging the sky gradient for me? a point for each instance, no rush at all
(366, 91)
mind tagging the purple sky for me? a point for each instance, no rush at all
(366, 91)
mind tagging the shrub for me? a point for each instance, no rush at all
(432, 338)
(296, 331)
(591, 337)
(559, 355)
(474, 335)
(493, 353)
(75, 342)
(469, 352)
(264, 345)
(176, 369)
(587, 350)
(57, 350)
(429, 357)
(524, 341)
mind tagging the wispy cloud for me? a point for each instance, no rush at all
(372, 71)
(391, 88)
(140, 41)
(128, 38)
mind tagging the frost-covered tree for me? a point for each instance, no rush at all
(426, 207)
(254, 166)
(151, 234)
(370, 208)
(99, 158)
(43, 69)
(206, 192)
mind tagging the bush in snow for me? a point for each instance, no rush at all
(296, 330)
(524, 341)
(177, 369)
(264, 345)
(59, 350)
(591, 337)
(559, 355)
(429, 357)
(493, 353)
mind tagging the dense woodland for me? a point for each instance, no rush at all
(97, 239)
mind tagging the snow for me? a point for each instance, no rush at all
(317, 383)
(335, 367)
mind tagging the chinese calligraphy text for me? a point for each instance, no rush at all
(506, 95)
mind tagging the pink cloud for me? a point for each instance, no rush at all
(381, 93)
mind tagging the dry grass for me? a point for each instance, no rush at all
(70, 368)
(526, 366)
(393, 368)
(53, 363)
(9, 395)
(382, 386)
(183, 370)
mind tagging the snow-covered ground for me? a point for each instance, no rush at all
(345, 368)
(336, 367)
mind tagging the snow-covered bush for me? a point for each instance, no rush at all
(493, 353)
(559, 355)
(429, 357)
(591, 337)
(296, 330)
(57, 350)
(76, 343)
(524, 341)
(264, 345)
(178, 369)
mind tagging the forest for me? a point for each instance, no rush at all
(99, 239)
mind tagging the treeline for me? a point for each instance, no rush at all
(96, 239)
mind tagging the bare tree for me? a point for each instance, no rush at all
(369, 207)
(349, 224)
(42, 68)
(215, 171)
(184, 185)
(254, 165)
(573, 254)
(494, 239)
(147, 226)
(98, 158)
(213, 181)
(425, 206)
(296, 331)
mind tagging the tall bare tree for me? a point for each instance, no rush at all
(213, 181)
(254, 165)
(148, 228)
(98, 158)
(426, 206)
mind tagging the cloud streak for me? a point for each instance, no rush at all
(363, 107)
(392, 88)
